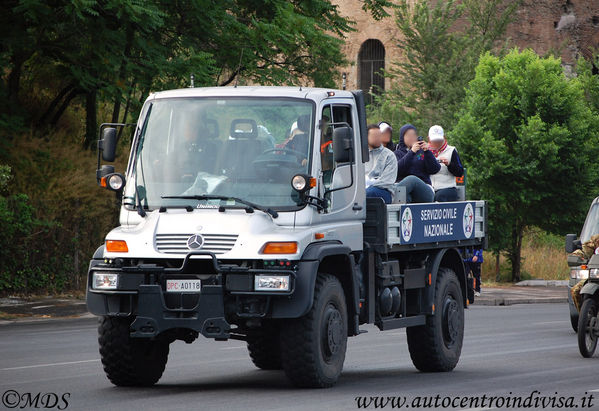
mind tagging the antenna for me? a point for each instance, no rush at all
(192, 77)
(238, 67)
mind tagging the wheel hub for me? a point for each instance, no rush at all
(334, 330)
(450, 321)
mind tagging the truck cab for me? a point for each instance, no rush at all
(244, 216)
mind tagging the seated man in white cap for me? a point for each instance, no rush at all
(387, 135)
(444, 182)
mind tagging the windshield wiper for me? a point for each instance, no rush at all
(270, 211)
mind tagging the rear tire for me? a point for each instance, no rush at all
(264, 346)
(130, 361)
(437, 345)
(313, 347)
(587, 328)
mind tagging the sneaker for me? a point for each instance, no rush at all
(477, 294)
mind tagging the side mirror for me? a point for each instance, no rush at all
(108, 144)
(343, 143)
(571, 245)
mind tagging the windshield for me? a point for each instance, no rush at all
(591, 224)
(248, 148)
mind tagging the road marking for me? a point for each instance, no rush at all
(47, 365)
(594, 390)
(551, 322)
(42, 306)
(232, 348)
(520, 351)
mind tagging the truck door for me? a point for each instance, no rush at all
(341, 178)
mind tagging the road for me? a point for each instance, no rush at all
(514, 349)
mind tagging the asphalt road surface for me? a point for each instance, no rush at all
(508, 351)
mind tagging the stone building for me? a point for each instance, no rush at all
(568, 27)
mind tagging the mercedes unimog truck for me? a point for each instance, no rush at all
(244, 217)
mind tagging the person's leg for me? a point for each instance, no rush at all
(446, 194)
(476, 275)
(379, 192)
(417, 190)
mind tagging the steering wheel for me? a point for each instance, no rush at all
(299, 155)
(268, 158)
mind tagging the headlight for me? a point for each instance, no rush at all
(574, 273)
(594, 273)
(583, 274)
(264, 282)
(105, 281)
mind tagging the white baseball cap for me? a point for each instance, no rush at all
(436, 133)
(383, 126)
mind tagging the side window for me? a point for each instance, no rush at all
(326, 146)
(333, 116)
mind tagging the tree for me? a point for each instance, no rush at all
(528, 137)
(441, 42)
(116, 50)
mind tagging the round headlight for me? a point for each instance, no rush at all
(115, 182)
(299, 183)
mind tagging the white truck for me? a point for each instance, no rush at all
(244, 217)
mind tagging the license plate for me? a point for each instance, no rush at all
(183, 286)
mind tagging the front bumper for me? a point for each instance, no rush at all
(222, 301)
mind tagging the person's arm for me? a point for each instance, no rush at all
(455, 166)
(403, 162)
(389, 172)
(431, 165)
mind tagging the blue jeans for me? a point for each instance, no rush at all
(446, 194)
(417, 191)
(373, 191)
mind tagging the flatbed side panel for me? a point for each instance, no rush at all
(436, 224)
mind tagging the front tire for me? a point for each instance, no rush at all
(264, 347)
(130, 361)
(437, 345)
(574, 322)
(588, 328)
(313, 347)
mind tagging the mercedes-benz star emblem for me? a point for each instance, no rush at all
(195, 242)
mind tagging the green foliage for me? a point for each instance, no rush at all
(528, 138)
(441, 42)
(119, 50)
(590, 81)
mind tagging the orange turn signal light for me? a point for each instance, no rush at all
(116, 246)
(318, 236)
(284, 247)
(312, 182)
(103, 182)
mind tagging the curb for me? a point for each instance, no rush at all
(513, 301)
(32, 320)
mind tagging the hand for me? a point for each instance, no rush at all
(416, 147)
(424, 146)
(444, 161)
(474, 259)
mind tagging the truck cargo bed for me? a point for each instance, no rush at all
(397, 227)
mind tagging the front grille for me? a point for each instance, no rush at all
(177, 243)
